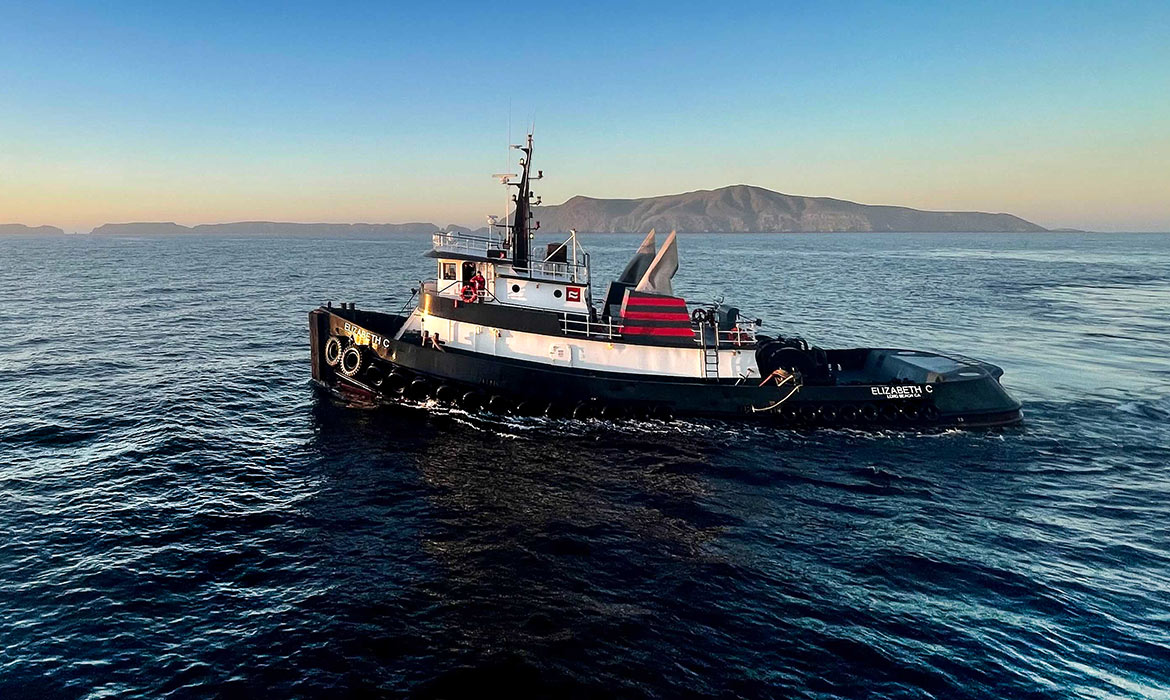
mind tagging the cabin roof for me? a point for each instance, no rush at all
(451, 255)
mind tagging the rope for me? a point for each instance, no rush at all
(787, 378)
(777, 373)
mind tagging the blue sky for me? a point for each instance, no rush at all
(203, 112)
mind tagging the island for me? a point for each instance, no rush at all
(22, 230)
(744, 208)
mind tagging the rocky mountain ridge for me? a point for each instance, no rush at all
(743, 208)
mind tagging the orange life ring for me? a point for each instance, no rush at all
(468, 293)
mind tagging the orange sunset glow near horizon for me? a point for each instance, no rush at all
(1059, 115)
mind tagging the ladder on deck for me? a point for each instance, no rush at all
(710, 355)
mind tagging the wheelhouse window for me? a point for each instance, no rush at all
(448, 270)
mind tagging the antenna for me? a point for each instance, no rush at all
(506, 178)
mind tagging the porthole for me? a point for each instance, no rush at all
(515, 289)
(557, 294)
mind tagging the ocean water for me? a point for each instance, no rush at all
(182, 515)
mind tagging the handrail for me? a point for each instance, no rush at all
(737, 336)
(413, 293)
(584, 325)
(456, 236)
(484, 294)
(454, 283)
(569, 272)
(463, 242)
(576, 272)
(742, 335)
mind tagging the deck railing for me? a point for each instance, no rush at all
(583, 325)
(465, 243)
(571, 273)
(576, 272)
(742, 334)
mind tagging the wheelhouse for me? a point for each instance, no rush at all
(557, 281)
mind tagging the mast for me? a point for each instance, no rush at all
(522, 219)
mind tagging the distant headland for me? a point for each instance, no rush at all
(734, 209)
(263, 228)
(22, 230)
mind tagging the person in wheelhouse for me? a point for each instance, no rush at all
(479, 285)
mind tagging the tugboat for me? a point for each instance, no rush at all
(507, 329)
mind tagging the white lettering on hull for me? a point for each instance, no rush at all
(363, 337)
(902, 391)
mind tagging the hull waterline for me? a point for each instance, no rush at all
(394, 368)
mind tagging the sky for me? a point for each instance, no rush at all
(208, 112)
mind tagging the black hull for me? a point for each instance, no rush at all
(396, 368)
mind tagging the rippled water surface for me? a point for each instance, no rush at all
(182, 514)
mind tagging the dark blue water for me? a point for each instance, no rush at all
(181, 515)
